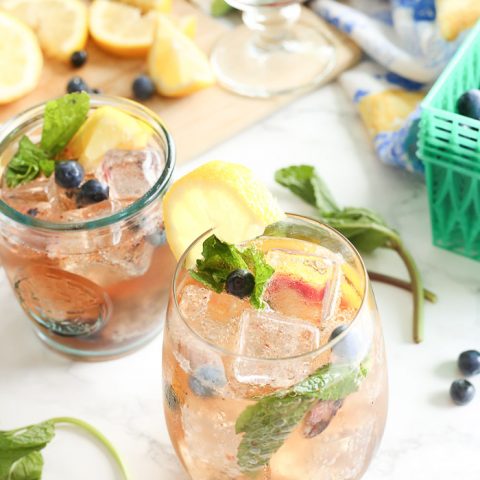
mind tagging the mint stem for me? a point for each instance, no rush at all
(98, 435)
(417, 288)
(396, 282)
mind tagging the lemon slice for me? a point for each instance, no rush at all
(105, 129)
(224, 196)
(122, 29)
(61, 25)
(176, 64)
(20, 59)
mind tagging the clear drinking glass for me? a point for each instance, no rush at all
(280, 49)
(93, 289)
(294, 392)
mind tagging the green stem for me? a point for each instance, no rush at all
(417, 288)
(396, 282)
(98, 435)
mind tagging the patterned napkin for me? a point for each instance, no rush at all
(407, 44)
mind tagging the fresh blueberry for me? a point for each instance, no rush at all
(206, 379)
(340, 329)
(143, 87)
(157, 238)
(92, 191)
(69, 174)
(462, 392)
(170, 396)
(469, 362)
(468, 104)
(240, 283)
(349, 347)
(78, 58)
(33, 212)
(77, 84)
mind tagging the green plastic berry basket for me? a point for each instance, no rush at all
(449, 146)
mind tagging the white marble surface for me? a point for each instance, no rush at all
(426, 437)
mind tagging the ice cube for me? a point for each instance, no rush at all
(130, 173)
(27, 196)
(89, 212)
(62, 198)
(267, 336)
(214, 316)
(132, 255)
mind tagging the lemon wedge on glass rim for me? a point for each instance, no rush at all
(222, 196)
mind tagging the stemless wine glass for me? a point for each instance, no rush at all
(94, 288)
(278, 50)
(296, 391)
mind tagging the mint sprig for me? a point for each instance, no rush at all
(363, 227)
(221, 258)
(267, 423)
(62, 119)
(20, 449)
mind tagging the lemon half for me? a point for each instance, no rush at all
(224, 196)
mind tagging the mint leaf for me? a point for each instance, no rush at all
(304, 182)
(267, 423)
(262, 272)
(62, 119)
(221, 258)
(28, 468)
(18, 444)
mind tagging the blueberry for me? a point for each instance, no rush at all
(469, 362)
(78, 58)
(92, 191)
(157, 238)
(206, 379)
(143, 87)
(77, 84)
(468, 104)
(170, 396)
(240, 283)
(462, 392)
(69, 174)
(349, 347)
(33, 212)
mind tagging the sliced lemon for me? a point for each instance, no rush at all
(61, 25)
(176, 64)
(224, 196)
(105, 129)
(164, 6)
(21, 59)
(122, 29)
(188, 25)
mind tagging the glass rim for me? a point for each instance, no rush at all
(11, 126)
(318, 351)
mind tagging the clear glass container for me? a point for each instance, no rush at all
(95, 289)
(246, 392)
(280, 49)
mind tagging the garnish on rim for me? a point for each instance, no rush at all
(62, 118)
(225, 267)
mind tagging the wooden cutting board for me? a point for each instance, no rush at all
(197, 122)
